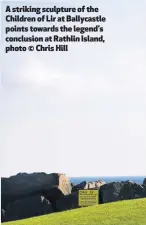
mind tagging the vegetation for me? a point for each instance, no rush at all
(131, 212)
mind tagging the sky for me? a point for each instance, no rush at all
(81, 112)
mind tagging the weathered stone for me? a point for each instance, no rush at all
(82, 186)
(3, 215)
(28, 207)
(132, 191)
(88, 185)
(110, 192)
(67, 202)
(72, 185)
(52, 185)
(144, 182)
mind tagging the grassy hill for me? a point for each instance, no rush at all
(131, 212)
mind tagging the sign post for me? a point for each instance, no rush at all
(88, 197)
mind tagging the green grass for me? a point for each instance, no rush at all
(131, 212)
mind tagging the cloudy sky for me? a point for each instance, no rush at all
(81, 112)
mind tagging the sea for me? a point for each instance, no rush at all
(77, 180)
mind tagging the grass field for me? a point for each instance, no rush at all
(131, 212)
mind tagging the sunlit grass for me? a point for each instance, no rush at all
(131, 212)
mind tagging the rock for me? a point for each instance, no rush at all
(28, 207)
(128, 181)
(144, 182)
(96, 185)
(73, 185)
(22, 185)
(88, 186)
(67, 202)
(117, 191)
(110, 192)
(132, 191)
(3, 213)
(82, 186)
